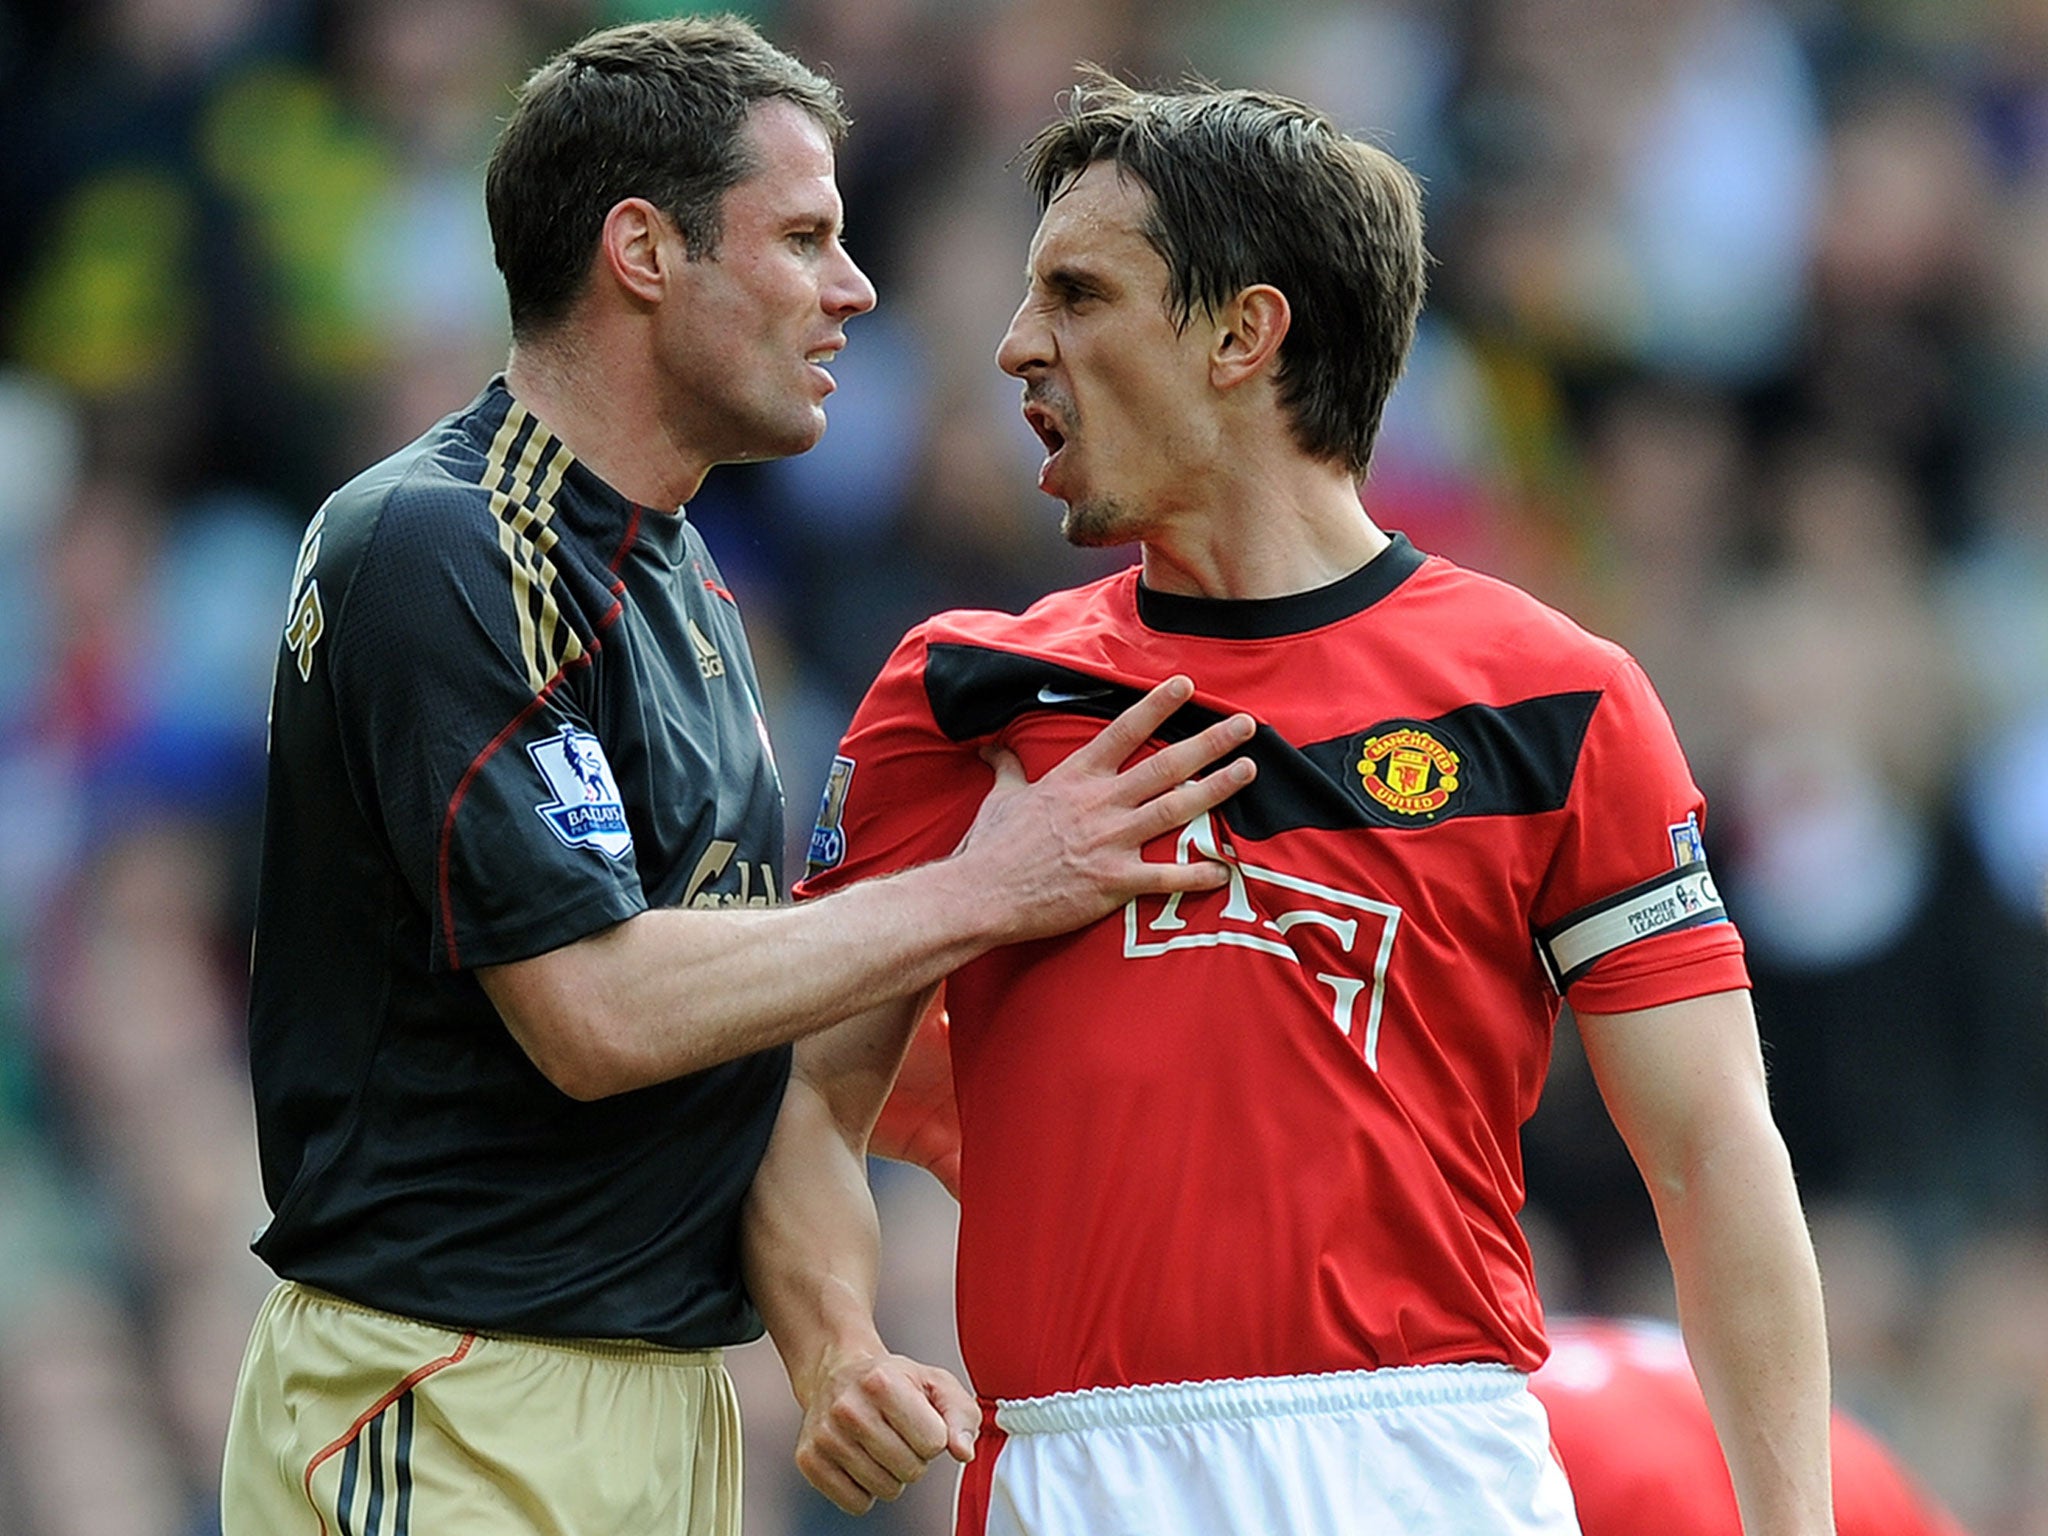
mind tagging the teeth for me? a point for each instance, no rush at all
(820, 358)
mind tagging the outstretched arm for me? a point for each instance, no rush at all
(674, 991)
(1685, 1085)
(872, 1420)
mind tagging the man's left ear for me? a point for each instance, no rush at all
(1249, 330)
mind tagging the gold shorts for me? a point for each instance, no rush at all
(350, 1420)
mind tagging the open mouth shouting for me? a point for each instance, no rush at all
(1041, 420)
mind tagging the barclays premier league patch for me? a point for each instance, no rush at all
(585, 811)
(828, 839)
(1687, 846)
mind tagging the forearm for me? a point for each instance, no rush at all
(872, 1421)
(674, 991)
(1750, 1303)
(1685, 1084)
(670, 992)
(810, 1243)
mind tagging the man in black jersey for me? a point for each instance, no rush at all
(524, 987)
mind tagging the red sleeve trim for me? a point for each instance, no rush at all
(444, 895)
(1693, 963)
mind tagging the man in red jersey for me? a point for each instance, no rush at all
(1633, 1431)
(1239, 1171)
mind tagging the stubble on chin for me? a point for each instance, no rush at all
(1099, 523)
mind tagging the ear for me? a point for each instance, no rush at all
(638, 249)
(1249, 330)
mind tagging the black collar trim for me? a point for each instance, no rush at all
(1268, 618)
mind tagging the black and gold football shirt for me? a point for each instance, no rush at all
(512, 708)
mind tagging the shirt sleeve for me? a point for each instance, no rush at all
(467, 743)
(901, 792)
(1629, 916)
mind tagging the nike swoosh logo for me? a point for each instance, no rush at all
(1051, 695)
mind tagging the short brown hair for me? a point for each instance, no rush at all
(1248, 187)
(651, 109)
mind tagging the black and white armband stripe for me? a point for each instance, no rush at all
(1685, 898)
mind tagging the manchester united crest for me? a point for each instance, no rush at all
(1407, 768)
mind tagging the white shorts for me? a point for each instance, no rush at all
(1436, 1450)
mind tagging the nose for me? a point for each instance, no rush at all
(850, 293)
(1026, 345)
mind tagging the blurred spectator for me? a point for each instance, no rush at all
(1897, 315)
(426, 80)
(1981, 1409)
(1642, 176)
(1846, 709)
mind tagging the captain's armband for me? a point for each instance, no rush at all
(1684, 898)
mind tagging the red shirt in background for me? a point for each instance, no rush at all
(1632, 1430)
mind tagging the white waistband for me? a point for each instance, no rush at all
(1258, 1397)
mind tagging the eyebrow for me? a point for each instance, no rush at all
(1065, 278)
(815, 210)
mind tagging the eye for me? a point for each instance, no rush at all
(1073, 293)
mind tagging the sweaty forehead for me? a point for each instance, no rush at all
(1097, 216)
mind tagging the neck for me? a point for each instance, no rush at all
(602, 402)
(1269, 535)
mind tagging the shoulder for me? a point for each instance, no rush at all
(423, 499)
(964, 648)
(1455, 595)
(1054, 619)
(411, 554)
(1472, 612)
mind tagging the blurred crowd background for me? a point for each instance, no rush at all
(1737, 350)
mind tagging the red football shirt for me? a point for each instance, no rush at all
(1632, 1430)
(1273, 1128)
